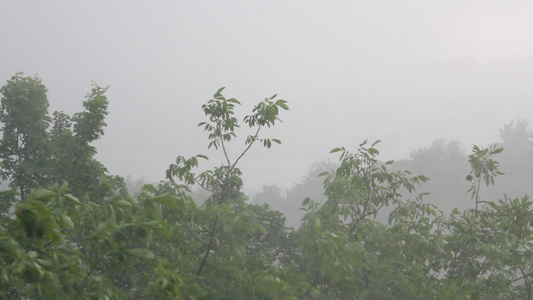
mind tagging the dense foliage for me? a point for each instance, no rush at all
(69, 230)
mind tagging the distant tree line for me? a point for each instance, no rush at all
(444, 162)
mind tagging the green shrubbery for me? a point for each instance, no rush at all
(77, 234)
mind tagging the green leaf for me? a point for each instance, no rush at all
(306, 201)
(68, 221)
(276, 141)
(151, 210)
(166, 200)
(373, 151)
(317, 226)
(493, 206)
(72, 199)
(122, 202)
(335, 150)
(261, 229)
(497, 150)
(233, 100)
(282, 104)
(219, 91)
(140, 253)
(323, 174)
(423, 178)
(43, 195)
(202, 156)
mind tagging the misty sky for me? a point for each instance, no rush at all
(405, 72)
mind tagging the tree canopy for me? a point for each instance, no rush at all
(76, 233)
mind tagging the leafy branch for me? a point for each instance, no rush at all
(484, 169)
(224, 182)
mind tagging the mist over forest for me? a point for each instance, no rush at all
(276, 150)
(405, 73)
(444, 162)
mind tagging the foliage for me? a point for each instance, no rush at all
(445, 163)
(25, 120)
(229, 222)
(516, 160)
(346, 252)
(35, 154)
(373, 236)
(72, 155)
(484, 169)
(289, 202)
(62, 247)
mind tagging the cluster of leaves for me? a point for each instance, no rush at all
(373, 237)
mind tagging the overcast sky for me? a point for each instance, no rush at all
(405, 72)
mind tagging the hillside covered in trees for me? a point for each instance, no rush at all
(71, 230)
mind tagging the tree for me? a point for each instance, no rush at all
(62, 247)
(484, 170)
(372, 236)
(72, 156)
(518, 139)
(289, 201)
(445, 163)
(34, 155)
(517, 159)
(153, 246)
(345, 252)
(226, 230)
(24, 146)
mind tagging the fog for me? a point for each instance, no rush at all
(405, 72)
